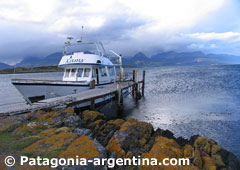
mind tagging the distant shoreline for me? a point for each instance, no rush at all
(18, 70)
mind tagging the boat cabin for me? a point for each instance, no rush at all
(101, 75)
(87, 63)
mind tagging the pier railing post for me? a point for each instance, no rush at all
(119, 98)
(136, 85)
(133, 79)
(119, 94)
(92, 86)
(143, 83)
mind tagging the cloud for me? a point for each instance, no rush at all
(37, 28)
(172, 15)
(202, 46)
(230, 36)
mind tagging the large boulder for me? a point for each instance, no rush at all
(84, 147)
(32, 128)
(12, 122)
(104, 132)
(209, 155)
(72, 121)
(51, 145)
(130, 139)
(82, 132)
(165, 148)
(91, 116)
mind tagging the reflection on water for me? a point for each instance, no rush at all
(202, 100)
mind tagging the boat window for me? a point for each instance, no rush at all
(111, 71)
(73, 72)
(80, 71)
(94, 74)
(67, 72)
(103, 72)
(86, 72)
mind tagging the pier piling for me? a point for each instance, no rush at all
(92, 86)
(143, 83)
(136, 85)
(133, 79)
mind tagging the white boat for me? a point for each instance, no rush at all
(83, 62)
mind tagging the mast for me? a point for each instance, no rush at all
(120, 64)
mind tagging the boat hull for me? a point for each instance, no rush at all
(34, 91)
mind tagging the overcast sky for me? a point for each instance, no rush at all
(39, 27)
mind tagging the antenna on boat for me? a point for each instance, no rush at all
(80, 40)
(82, 33)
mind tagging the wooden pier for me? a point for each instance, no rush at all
(87, 96)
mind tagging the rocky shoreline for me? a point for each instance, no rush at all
(88, 134)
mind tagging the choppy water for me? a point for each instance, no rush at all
(193, 100)
(202, 100)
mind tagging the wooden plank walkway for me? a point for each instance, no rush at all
(71, 99)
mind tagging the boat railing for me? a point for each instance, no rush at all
(44, 81)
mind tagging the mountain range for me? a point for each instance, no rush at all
(140, 59)
(185, 58)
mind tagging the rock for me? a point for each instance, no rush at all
(188, 151)
(204, 144)
(104, 132)
(208, 164)
(198, 159)
(10, 123)
(193, 139)
(32, 128)
(73, 121)
(69, 110)
(45, 115)
(91, 116)
(63, 129)
(84, 147)
(158, 132)
(115, 144)
(31, 116)
(209, 155)
(215, 149)
(57, 121)
(82, 132)
(131, 137)
(94, 125)
(217, 160)
(181, 141)
(229, 159)
(51, 145)
(163, 148)
(48, 132)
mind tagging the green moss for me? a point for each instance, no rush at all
(7, 140)
(23, 143)
(15, 142)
